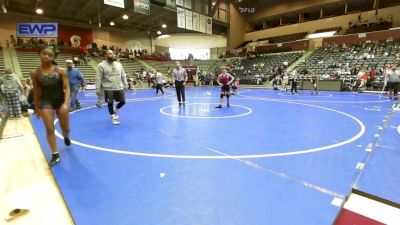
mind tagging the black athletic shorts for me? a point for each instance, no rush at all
(392, 85)
(49, 105)
(118, 96)
(225, 88)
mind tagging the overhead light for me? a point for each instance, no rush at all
(164, 25)
(125, 17)
(39, 11)
(99, 24)
(112, 23)
(158, 32)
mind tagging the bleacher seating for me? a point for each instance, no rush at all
(285, 38)
(337, 29)
(254, 72)
(29, 61)
(1, 61)
(243, 44)
(131, 67)
(350, 60)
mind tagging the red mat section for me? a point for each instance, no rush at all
(347, 217)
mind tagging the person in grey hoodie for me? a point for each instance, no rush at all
(393, 81)
(111, 78)
(11, 86)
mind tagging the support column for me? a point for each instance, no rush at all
(301, 16)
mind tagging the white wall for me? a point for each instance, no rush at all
(100, 35)
(192, 41)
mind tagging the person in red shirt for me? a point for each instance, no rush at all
(371, 77)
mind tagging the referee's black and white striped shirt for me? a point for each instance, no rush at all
(179, 75)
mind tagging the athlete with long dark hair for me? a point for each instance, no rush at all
(51, 95)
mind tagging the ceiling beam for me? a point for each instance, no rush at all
(119, 17)
(215, 8)
(96, 18)
(79, 13)
(61, 6)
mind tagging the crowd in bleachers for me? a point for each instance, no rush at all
(351, 62)
(285, 38)
(263, 67)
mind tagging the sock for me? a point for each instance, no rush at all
(227, 99)
(66, 134)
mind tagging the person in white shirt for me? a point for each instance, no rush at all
(159, 82)
(293, 81)
(285, 82)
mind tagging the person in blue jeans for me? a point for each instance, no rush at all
(75, 82)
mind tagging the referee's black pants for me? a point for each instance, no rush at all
(180, 91)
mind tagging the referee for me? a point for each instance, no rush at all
(180, 78)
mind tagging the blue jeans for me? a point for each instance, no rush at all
(74, 103)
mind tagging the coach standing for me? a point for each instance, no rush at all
(180, 78)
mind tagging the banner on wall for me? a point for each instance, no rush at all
(179, 2)
(208, 25)
(180, 13)
(141, 6)
(196, 21)
(189, 19)
(44, 30)
(202, 24)
(187, 4)
(170, 2)
(116, 3)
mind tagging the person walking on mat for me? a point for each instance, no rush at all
(51, 94)
(180, 78)
(159, 82)
(12, 87)
(111, 78)
(75, 82)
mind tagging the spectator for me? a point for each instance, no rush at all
(75, 82)
(12, 40)
(159, 82)
(11, 87)
(393, 81)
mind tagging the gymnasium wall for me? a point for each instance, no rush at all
(7, 27)
(134, 40)
(291, 6)
(236, 30)
(216, 52)
(65, 33)
(371, 36)
(311, 26)
(86, 31)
